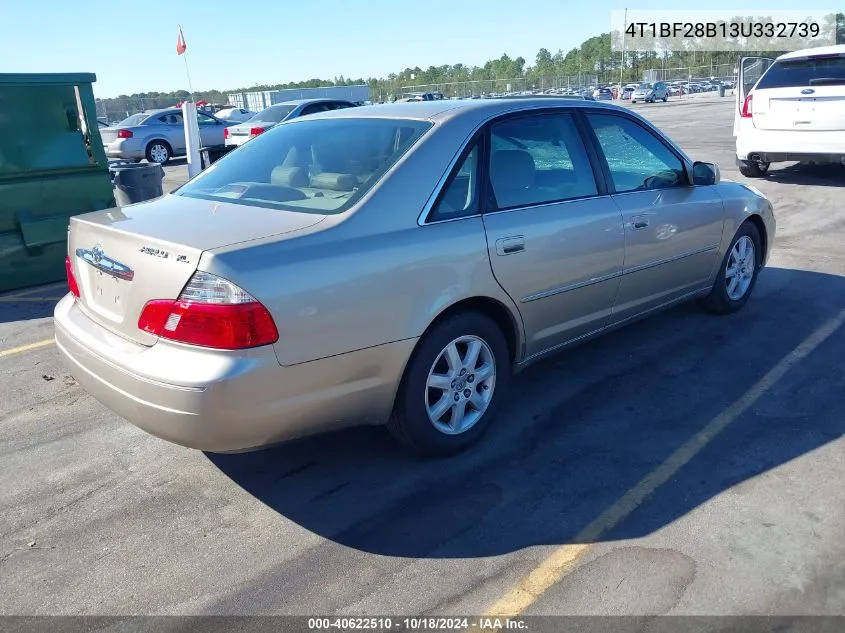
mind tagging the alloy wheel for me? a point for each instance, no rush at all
(460, 385)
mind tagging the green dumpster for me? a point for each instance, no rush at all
(52, 166)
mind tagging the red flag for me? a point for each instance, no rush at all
(181, 46)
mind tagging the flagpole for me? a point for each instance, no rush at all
(187, 70)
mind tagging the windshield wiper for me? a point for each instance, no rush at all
(827, 80)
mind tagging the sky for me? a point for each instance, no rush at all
(131, 46)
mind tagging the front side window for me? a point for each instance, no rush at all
(637, 159)
(538, 159)
(310, 165)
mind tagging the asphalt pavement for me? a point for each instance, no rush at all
(688, 464)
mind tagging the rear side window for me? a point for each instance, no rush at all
(539, 159)
(804, 72)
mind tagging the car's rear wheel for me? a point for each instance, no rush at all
(738, 272)
(752, 168)
(159, 152)
(665, 98)
(452, 386)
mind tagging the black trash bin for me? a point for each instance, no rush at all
(136, 182)
(212, 153)
(721, 90)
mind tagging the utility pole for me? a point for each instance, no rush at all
(622, 67)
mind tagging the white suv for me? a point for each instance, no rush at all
(790, 109)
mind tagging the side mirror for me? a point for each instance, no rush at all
(705, 173)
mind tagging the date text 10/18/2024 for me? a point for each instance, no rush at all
(416, 624)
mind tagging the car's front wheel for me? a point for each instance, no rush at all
(738, 272)
(159, 152)
(752, 168)
(452, 386)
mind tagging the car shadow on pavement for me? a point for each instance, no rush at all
(34, 302)
(12, 311)
(801, 174)
(578, 431)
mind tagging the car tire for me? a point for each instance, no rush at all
(159, 152)
(752, 168)
(665, 98)
(724, 298)
(411, 422)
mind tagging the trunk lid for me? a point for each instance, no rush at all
(123, 258)
(816, 108)
(108, 134)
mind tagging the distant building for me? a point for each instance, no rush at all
(257, 101)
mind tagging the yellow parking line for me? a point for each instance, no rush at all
(564, 558)
(26, 348)
(31, 299)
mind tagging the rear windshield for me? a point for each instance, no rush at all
(309, 165)
(135, 119)
(273, 114)
(817, 71)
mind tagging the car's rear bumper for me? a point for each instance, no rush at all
(130, 148)
(773, 146)
(236, 140)
(226, 401)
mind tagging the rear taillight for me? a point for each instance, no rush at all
(225, 132)
(210, 312)
(256, 131)
(124, 134)
(746, 107)
(71, 279)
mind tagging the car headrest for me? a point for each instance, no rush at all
(289, 176)
(334, 181)
(512, 169)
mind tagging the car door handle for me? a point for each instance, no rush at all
(639, 222)
(510, 245)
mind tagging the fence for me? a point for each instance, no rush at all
(112, 110)
(575, 82)
(257, 101)
(685, 73)
(497, 86)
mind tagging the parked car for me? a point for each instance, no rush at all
(603, 94)
(158, 135)
(790, 109)
(275, 114)
(336, 271)
(238, 115)
(627, 91)
(651, 92)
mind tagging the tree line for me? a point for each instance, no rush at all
(595, 57)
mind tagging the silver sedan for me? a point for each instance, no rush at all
(158, 135)
(395, 265)
(275, 114)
